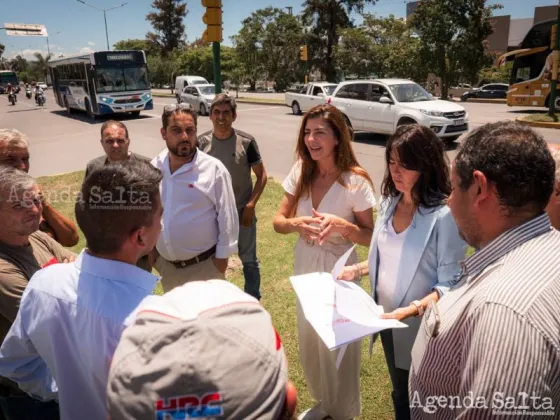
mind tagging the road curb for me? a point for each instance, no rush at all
(239, 100)
(539, 124)
(482, 101)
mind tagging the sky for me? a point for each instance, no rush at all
(75, 28)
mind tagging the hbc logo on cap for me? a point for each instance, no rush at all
(189, 407)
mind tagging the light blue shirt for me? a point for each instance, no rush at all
(68, 326)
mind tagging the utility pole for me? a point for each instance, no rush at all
(213, 33)
(556, 56)
(104, 16)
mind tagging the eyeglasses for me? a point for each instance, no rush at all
(110, 142)
(432, 319)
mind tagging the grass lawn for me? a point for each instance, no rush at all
(263, 100)
(275, 252)
(540, 118)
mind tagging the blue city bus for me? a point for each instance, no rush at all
(102, 83)
(8, 76)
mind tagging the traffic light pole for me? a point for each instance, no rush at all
(552, 99)
(217, 67)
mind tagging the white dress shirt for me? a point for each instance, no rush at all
(68, 326)
(198, 208)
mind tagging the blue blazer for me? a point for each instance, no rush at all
(429, 261)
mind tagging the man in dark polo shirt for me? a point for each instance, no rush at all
(239, 153)
(115, 142)
(23, 250)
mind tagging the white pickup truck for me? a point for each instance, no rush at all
(314, 94)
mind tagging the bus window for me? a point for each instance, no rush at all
(528, 67)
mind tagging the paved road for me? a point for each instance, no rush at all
(62, 143)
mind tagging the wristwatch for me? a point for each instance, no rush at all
(419, 307)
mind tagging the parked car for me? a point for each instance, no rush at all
(381, 105)
(199, 96)
(309, 96)
(181, 82)
(490, 91)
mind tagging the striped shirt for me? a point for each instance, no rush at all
(492, 344)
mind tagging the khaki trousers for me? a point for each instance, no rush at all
(172, 276)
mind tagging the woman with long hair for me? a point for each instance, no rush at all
(416, 248)
(328, 201)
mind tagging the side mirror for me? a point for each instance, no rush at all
(385, 100)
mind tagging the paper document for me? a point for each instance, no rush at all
(340, 312)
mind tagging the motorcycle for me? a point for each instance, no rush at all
(40, 99)
(28, 93)
(12, 98)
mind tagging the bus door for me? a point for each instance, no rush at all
(92, 91)
(56, 86)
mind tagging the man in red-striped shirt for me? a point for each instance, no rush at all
(24, 249)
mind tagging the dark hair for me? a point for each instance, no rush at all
(113, 122)
(175, 109)
(345, 158)
(116, 200)
(223, 99)
(514, 158)
(419, 149)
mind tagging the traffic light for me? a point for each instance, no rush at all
(213, 20)
(303, 53)
(553, 35)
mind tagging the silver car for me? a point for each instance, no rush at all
(200, 97)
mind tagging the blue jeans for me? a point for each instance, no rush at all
(248, 255)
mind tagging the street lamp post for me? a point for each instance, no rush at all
(104, 16)
(48, 46)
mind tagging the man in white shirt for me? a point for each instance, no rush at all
(200, 221)
(71, 316)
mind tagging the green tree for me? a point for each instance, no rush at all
(268, 46)
(40, 66)
(19, 64)
(326, 18)
(2, 48)
(167, 21)
(453, 38)
(139, 45)
(381, 47)
(495, 74)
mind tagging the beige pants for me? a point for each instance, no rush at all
(172, 276)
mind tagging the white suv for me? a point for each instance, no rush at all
(381, 105)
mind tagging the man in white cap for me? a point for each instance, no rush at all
(204, 349)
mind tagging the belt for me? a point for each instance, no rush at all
(199, 258)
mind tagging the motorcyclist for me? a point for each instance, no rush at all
(38, 91)
(28, 90)
(11, 91)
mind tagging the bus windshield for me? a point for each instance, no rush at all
(528, 67)
(122, 79)
(8, 77)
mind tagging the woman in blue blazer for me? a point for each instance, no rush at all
(416, 248)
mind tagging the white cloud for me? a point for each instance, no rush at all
(91, 43)
(27, 54)
(86, 50)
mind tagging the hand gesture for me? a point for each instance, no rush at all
(304, 226)
(330, 224)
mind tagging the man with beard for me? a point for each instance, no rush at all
(24, 250)
(200, 222)
(489, 347)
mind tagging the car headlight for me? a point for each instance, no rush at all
(432, 113)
